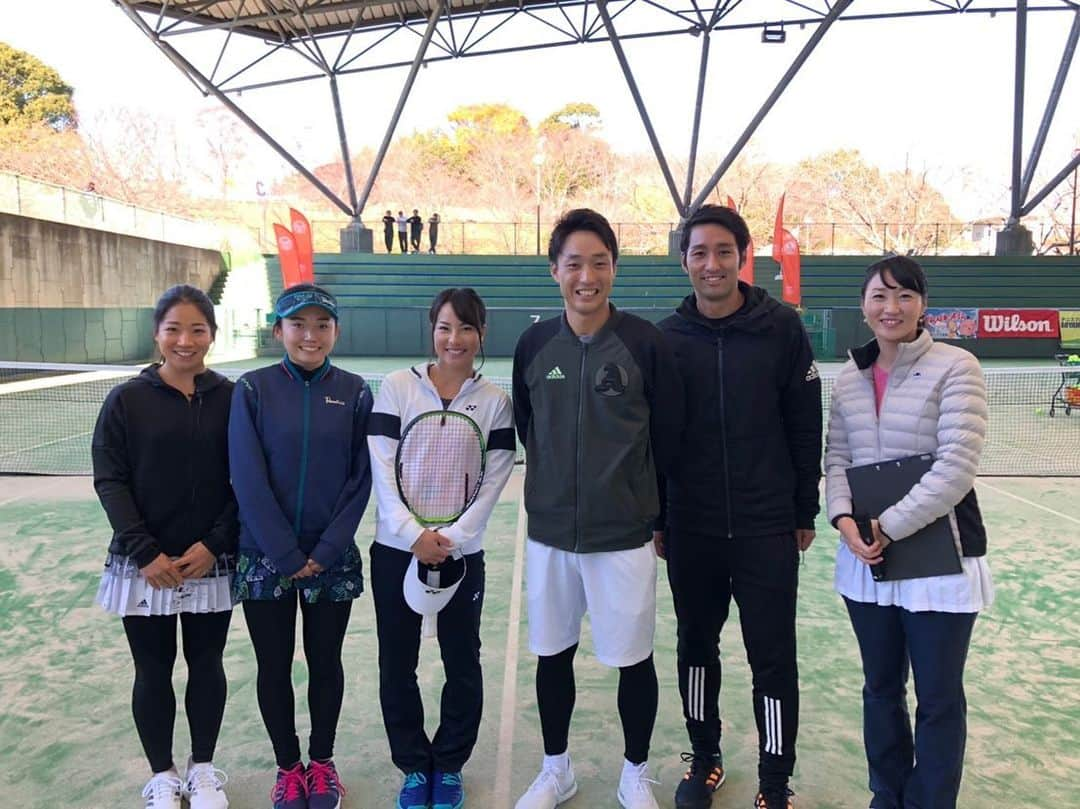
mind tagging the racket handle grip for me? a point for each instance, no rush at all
(429, 626)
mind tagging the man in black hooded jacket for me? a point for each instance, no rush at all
(741, 499)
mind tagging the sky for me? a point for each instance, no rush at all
(927, 93)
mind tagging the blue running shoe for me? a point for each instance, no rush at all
(290, 789)
(448, 792)
(415, 792)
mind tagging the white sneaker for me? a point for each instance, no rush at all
(635, 791)
(554, 785)
(205, 786)
(163, 790)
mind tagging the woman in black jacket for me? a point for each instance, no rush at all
(161, 471)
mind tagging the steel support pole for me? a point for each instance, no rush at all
(344, 141)
(1018, 112)
(418, 60)
(1072, 225)
(826, 22)
(1055, 181)
(616, 43)
(208, 88)
(1051, 105)
(695, 131)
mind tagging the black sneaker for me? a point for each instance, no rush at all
(702, 779)
(775, 799)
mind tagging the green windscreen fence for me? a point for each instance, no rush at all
(48, 412)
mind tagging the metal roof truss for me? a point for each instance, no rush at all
(262, 44)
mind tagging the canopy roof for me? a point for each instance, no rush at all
(286, 41)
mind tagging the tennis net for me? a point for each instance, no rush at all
(48, 412)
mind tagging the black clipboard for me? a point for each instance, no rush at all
(930, 551)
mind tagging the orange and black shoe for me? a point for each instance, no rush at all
(702, 779)
(775, 799)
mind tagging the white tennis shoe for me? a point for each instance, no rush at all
(554, 785)
(163, 791)
(205, 786)
(635, 790)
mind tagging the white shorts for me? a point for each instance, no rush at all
(617, 588)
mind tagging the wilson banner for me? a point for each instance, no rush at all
(1018, 323)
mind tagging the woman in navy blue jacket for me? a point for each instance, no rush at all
(161, 471)
(298, 447)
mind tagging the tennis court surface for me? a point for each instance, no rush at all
(67, 738)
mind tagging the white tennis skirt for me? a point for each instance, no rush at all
(124, 591)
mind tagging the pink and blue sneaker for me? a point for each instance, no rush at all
(324, 787)
(290, 789)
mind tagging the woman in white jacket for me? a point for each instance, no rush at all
(432, 767)
(900, 395)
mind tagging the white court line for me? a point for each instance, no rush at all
(982, 482)
(31, 491)
(504, 752)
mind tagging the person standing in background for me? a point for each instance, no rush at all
(403, 231)
(433, 232)
(416, 226)
(388, 222)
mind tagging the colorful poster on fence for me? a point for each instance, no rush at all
(1018, 323)
(952, 324)
(1070, 327)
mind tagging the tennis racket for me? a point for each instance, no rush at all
(439, 468)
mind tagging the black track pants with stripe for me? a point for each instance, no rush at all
(761, 572)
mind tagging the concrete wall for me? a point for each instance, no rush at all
(69, 294)
(47, 264)
(115, 335)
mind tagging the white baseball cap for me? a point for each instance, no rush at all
(428, 589)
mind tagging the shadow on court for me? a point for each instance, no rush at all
(67, 738)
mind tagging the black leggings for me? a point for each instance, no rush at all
(272, 626)
(638, 699)
(153, 647)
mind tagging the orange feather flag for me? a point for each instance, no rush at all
(290, 263)
(305, 253)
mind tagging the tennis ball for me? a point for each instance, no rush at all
(1040, 411)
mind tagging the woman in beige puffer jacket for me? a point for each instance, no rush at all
(900, 395)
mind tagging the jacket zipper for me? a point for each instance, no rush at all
(577, 467)
(303, 459)
(723, 432)
(194, 406)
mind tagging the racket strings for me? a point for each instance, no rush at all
(440, 467)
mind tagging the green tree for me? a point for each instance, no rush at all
(577, 159)
(576, 115)
(33, 93)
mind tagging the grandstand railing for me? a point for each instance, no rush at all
(35, 199)
(651, 238)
